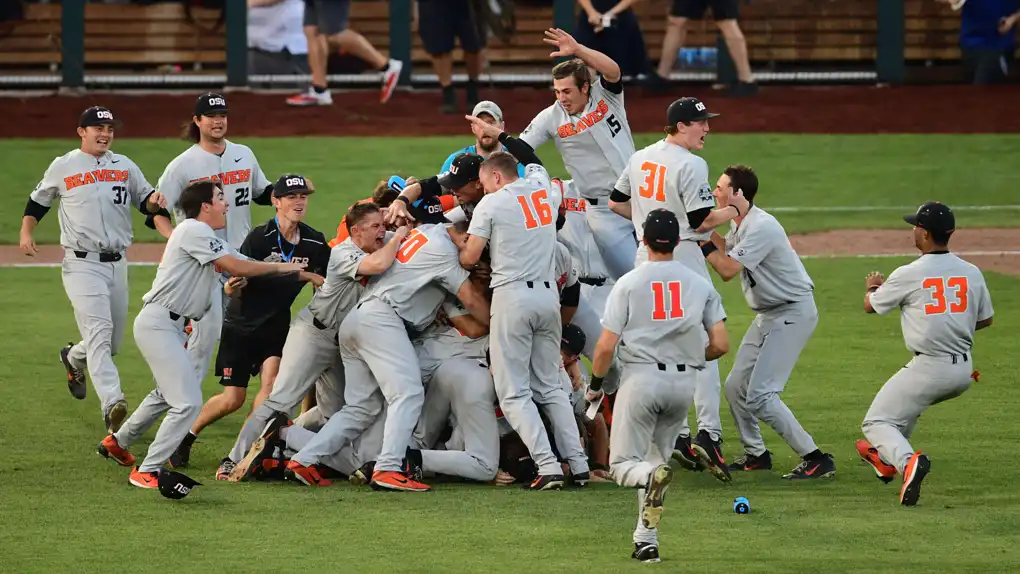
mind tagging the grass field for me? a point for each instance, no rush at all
(63, 508)
(795, 171)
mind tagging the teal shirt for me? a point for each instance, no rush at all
(471, 149)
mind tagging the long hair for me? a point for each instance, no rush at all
(189, 131)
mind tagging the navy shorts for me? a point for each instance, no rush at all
(329, 16)
(442, 22)
(695, 9)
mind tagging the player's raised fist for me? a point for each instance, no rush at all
(565, 43)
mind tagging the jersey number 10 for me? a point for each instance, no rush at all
(538, 213)
(937, 290)
(414, 241)
(660, 310)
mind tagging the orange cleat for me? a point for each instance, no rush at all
(143, 479)
(917, 468)
(109, 448)
(307, 475)
(391, 480)
(869, 454)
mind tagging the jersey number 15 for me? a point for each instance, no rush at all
(936, 287)
(538, 213)
(666, 301)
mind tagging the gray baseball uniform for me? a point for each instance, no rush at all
(595, 145)
(348, 459)
(525, 329)
(311, 344)
(238, 173)
(661, 312)
(777, 288)
(667, 176)
(941, 298)
(397, 305)
(96, 196)
(577, 236)
(182, 289)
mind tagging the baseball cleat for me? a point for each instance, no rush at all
(546, 482)
(822, 467)
(363, 475)
(752, 462)
(306, 475)
(261, 449)
(311, 98)
(580, 479)
(392, 480)
(917, 468)
(869, 454)
(412, 464)
(655, 493)
(646, 552)
(270, 469)
(389, 80)
(110, 448)
(685, 456)
(114, 417)
(710, 454)
(225, 468)
(75, 377)
(143, 479)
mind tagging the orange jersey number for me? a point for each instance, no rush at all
(937, 286)
(660, 311)
(654, 184)
(538, 213)
(414, 241)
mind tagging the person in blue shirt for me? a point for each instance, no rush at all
(484, 145)
(987, 38)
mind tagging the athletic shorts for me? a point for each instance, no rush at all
(329, 16)
(441, 22)
(695, 9)
(242, 353)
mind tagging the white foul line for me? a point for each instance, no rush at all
(903, 208)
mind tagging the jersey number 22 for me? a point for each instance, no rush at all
(666, 301)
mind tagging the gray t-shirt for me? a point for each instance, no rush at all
(661, 310)
(941, 298)
(96, 196)
(185, 279)
(773, 274)
(342, 287)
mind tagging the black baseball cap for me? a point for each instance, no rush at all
(463, 171)
(687, 110)
(428, 210)
(933, 216)
(291, 183)
(175, 485)
(210, 103)
(97, 116)
(662, 228)
(573, 339)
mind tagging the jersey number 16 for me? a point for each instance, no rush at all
(666, 306)
(538, 213)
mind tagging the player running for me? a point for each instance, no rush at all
(779, 290)
(658, 314)
(943, 300)
(588, 124)
(97, 189)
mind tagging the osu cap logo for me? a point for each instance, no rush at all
(296, 181)
(104, 114)
(217, 101)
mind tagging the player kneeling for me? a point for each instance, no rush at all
(657, 313)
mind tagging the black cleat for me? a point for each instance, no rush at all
(580, 479)
(646, 552)
(75, 377)
(821, 467)
(412, 465)
(917, 468)
(711, 456)
(363, 475)
(114, 417)
(685, 456)
(262, 448)
(546, 482)
(751, 462)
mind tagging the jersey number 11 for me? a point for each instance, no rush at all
(660, 310)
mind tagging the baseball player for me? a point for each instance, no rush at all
(576, 234)
(311, 345)
(943, 300)
(516, 221)
(235, 168)
(97, 189)
(257, 318)
(182, 290)
(658, 314)
(380, 362)
(668, 175)
(485, 144)
(589, 125)
(385, 194)
(780, 292)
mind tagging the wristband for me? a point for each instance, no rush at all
(736, 208)
(596, 383)
(707, 248)
(406, 201)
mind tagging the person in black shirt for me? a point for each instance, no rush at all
(257, 318)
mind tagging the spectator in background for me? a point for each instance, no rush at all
(276, 43)
(440, 24)
(987, 38)
(611, 27)
(725, 13)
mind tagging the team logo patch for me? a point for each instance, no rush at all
(705, 192)
(741, 252)
(215, 245)
(228, 372)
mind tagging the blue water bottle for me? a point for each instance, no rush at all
(741, 505)
(396, 183)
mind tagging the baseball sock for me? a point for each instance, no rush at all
(189, 439)
(385, 67)
(472, 91)
(449, 96)
(319, 89)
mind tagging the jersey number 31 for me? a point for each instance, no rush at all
(666, 301)
(937, 289)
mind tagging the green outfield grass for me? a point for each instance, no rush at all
(63, 508)
(795, 170)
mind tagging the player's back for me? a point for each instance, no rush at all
(664, 309)
(426, 268)
(664, 175)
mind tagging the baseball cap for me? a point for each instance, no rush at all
(661, 227)
(933, 216)
(97, 116)
(210, 103)
(687, 110)
(573, 339)
(291, 183)
(428, 210)
(487, 107)
(175, 485)
(463, 171)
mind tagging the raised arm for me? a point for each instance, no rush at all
(567, 46)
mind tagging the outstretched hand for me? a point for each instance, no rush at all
(565, 43)
(481, 127)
